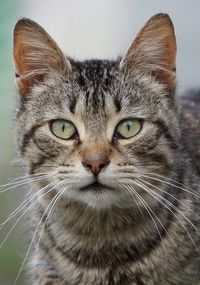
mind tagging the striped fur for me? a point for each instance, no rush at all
(111, 238)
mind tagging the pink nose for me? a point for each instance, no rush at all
(95, 164)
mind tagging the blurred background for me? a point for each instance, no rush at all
(83, 29)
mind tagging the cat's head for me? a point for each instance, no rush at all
(97, 128)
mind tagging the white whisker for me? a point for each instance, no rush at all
(169, 194)
(22, 178)
(159, 199)
(34, 235)
(17, 184)
(48, 216)
(36, 201)
(22, 205)
(171, 184)
(149, 211)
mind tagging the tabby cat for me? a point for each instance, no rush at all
(115, 162)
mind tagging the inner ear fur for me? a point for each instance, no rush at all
(153, 51)
(35, 54)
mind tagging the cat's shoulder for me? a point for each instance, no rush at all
(189, 121)
(189, 103)
(191, 98)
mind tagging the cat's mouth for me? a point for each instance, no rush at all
(95, 187)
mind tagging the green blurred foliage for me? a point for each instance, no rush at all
(10, 253)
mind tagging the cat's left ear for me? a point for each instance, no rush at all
(35, 55)
(153, 51)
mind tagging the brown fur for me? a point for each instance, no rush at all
(116, 211)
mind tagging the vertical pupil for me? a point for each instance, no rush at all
(63, 127)
(128, 126)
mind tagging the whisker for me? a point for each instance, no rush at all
(48, 216)
(175, 208)
(167, 178)
(9, 232)
(188, 190)
(169, 194)
(22, 205)
(149, 211)
(147, 189)
(20, 178)
(34, 235)
(27, 181)
(133, 197)
(18, 181)
(24, 166)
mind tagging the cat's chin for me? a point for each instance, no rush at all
(98, 197)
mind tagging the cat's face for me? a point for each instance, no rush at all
(97, 127)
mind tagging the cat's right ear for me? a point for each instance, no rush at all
(35, 55)
(153, 51)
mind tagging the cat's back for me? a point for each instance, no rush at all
(189, 119)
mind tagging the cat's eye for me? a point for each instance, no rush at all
(128, 128)
(63, 129)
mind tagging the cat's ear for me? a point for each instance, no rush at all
(35, 55)
(153, 51)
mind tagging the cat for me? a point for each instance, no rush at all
(114, 158)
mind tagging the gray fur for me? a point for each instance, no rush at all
(110, 238)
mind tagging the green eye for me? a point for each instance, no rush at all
(128, 128)
(63, 129)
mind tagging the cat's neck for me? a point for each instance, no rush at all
(74, 220)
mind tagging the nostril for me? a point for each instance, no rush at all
(103, 164)
(88, 165)
(95, 165)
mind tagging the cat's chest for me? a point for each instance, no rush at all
(83, 264)
(119, 261)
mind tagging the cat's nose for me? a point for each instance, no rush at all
(95, 164)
